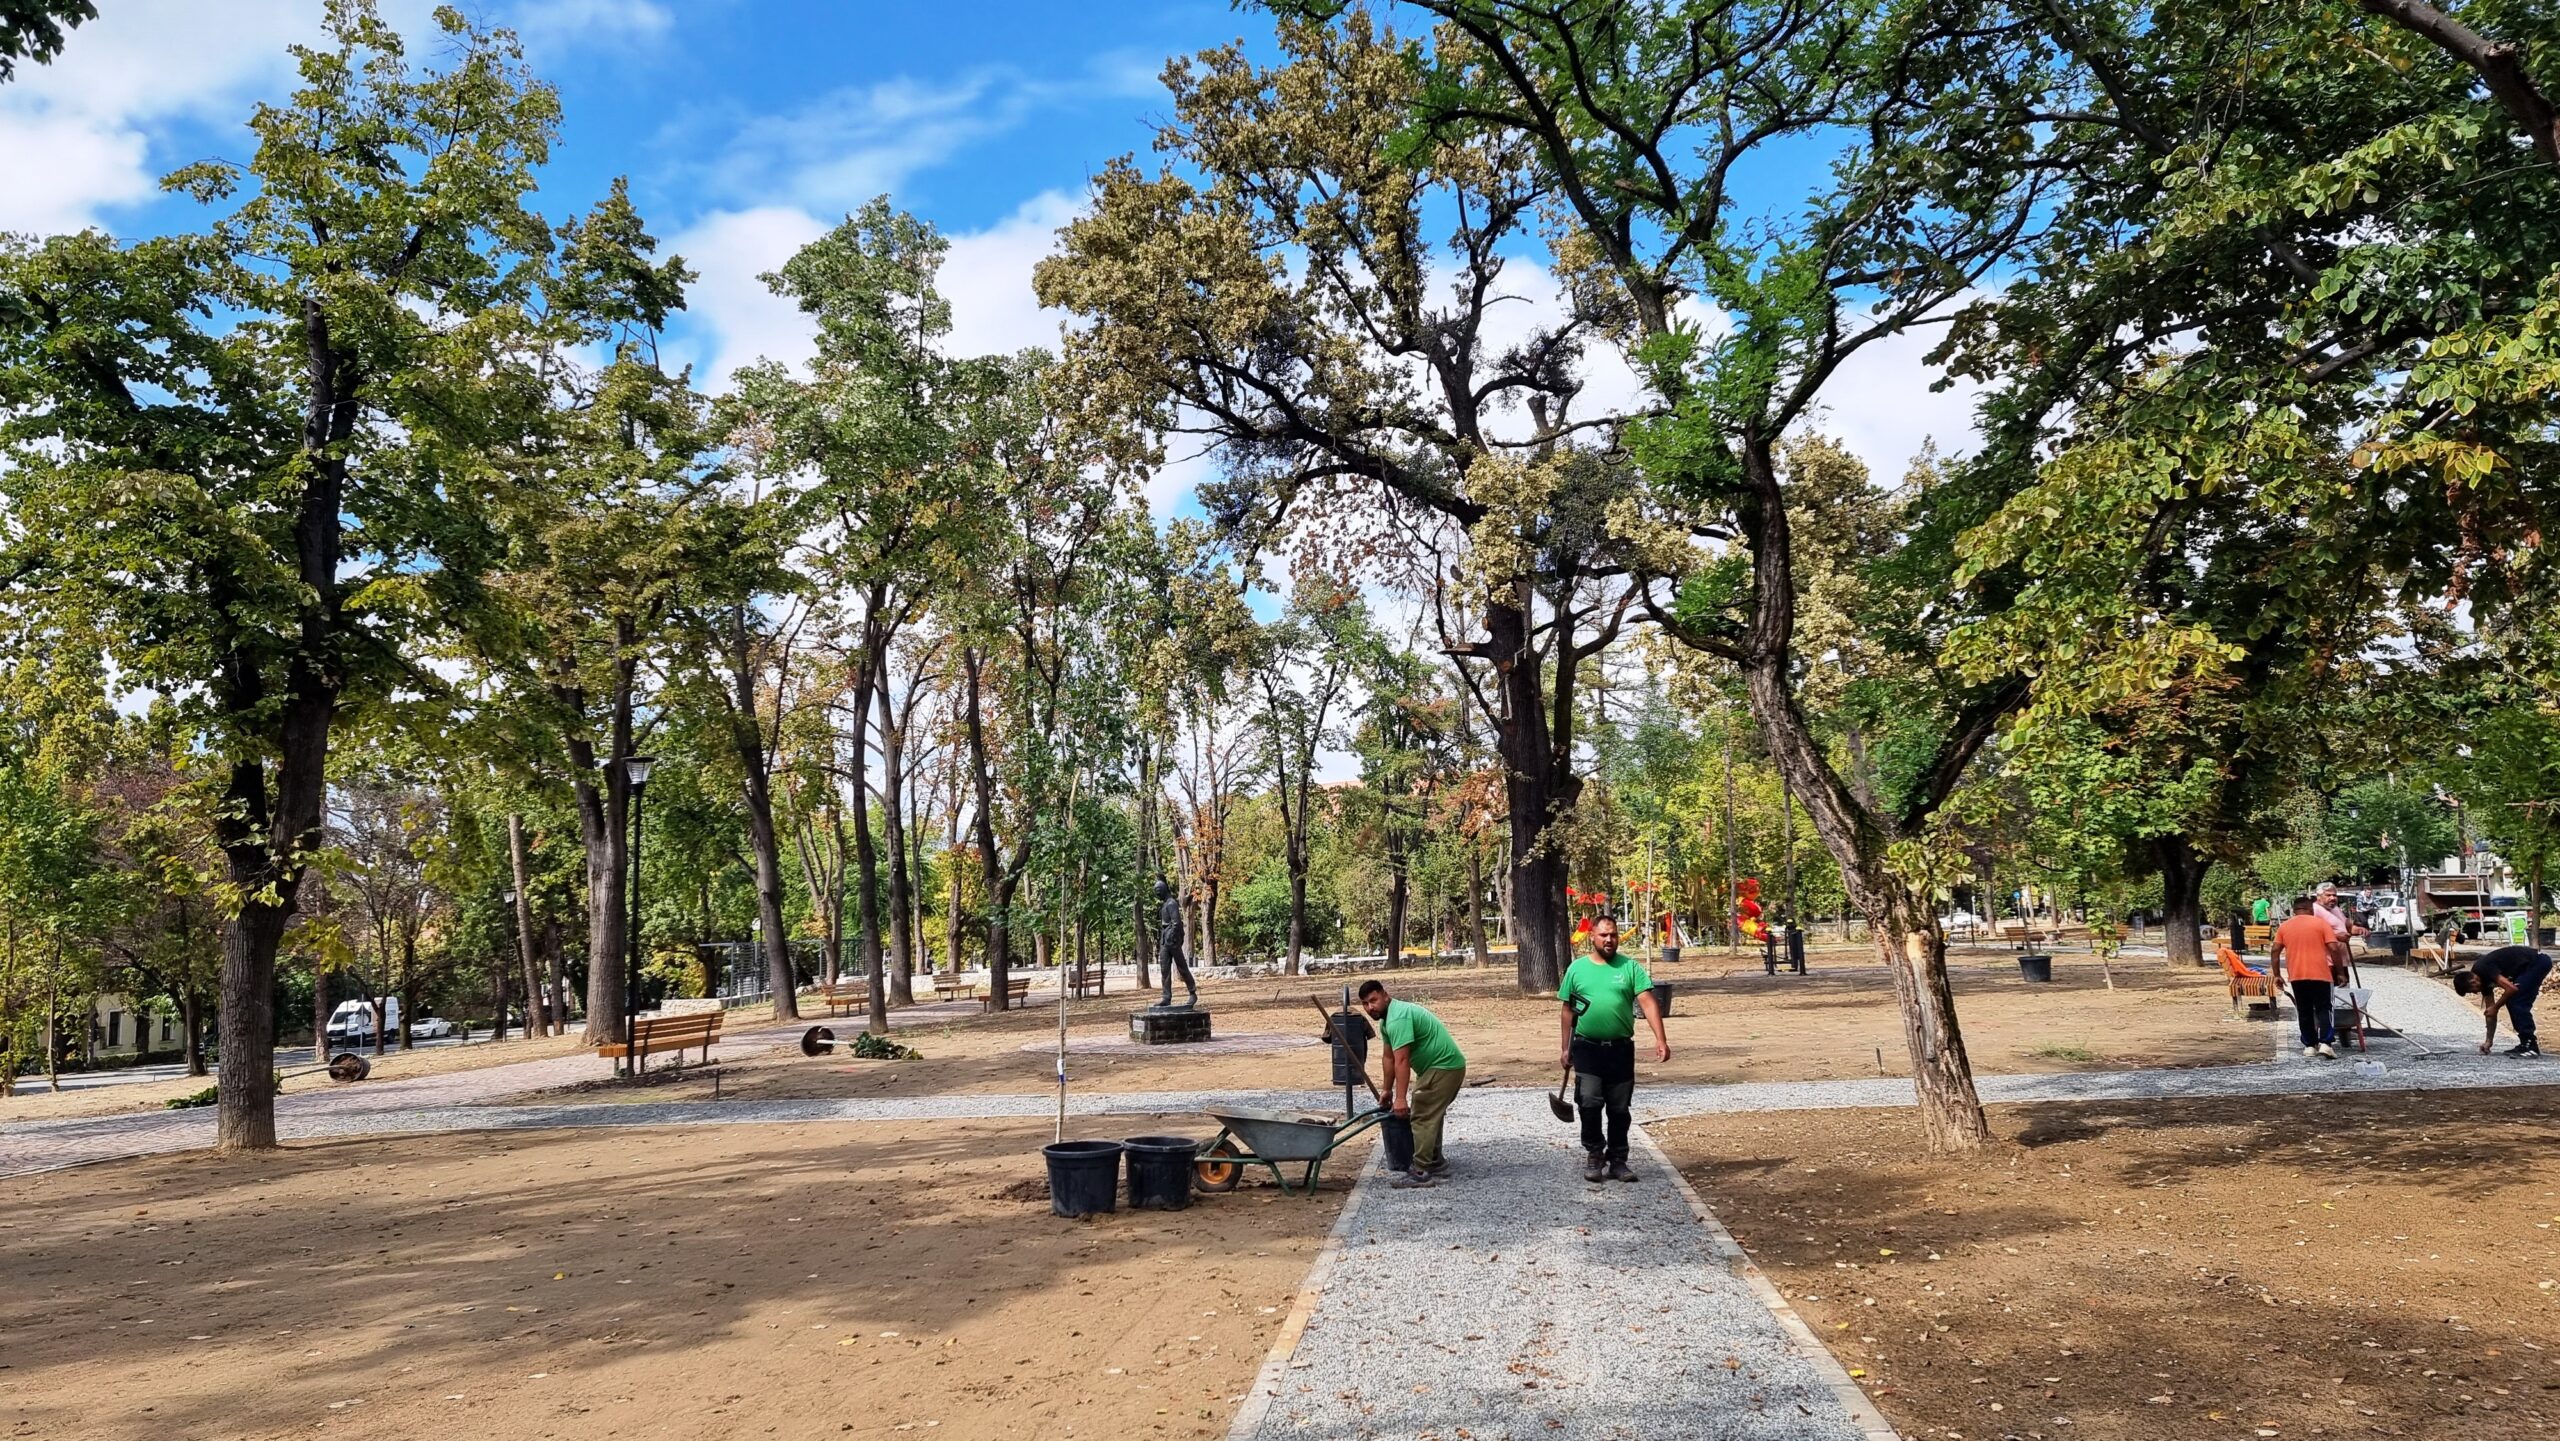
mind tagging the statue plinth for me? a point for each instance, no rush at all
(1169, 1025)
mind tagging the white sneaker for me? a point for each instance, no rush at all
(2311, 1050)
(2328, 1055)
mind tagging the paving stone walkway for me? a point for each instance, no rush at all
(1517, 1301)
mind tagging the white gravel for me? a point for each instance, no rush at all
(1519, 1301)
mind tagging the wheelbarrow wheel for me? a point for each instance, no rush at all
(1217, 1171)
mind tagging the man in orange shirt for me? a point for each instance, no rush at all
(2303, 950)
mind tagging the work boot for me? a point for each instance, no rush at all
(1592, 1168)
(1621, 1171)
(1410, 1180)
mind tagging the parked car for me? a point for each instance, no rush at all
(1959, 923)
(353, 1020)
(429, 1028)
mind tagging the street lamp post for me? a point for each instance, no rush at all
(636, 768)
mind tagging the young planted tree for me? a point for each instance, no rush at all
(1304, 667)
(248, 456)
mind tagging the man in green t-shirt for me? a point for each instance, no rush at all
(1425, 1071)
(1602, 995)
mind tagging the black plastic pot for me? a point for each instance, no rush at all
(1084, 1177)
(1671, 955)
(1662, 996)
(1160, 1171)
(2035, 968)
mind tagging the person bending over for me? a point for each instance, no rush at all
(1425, 1072)
(2507, 979)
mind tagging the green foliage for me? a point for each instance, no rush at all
(34, 29)
(868, 1047)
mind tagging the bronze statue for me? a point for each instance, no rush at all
(1169, 946)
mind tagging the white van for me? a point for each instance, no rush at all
(353, 1020)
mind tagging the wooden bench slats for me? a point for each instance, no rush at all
(652, 1034)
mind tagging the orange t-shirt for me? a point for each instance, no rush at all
(2306, 941)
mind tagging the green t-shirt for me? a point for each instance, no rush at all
(1410, 1025)
(1603, 996)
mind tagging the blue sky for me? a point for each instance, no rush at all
(747, 127)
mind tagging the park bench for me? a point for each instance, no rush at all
(1015, 989)
(652, 1035)
(844, 997)
(1085, 981)
(2245, 984)
(2257, 938)
(947, 987)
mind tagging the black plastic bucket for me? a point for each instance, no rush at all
(1160, 1171)
(1084, 1177)
(2035, 968)
(1662, 996)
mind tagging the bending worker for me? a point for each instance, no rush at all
(1601, 995)
(1425, 1071)
(2507, 979)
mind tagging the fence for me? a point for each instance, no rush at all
(745, 977)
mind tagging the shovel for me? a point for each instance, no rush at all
(1556, 1103)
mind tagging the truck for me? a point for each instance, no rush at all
(352, 1021)
(2473, 904)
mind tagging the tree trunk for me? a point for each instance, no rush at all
(191, 1013)
(1541, 788)
(1297, 913)
(746, 734)
(1911, 946)
(901, 963)
(866, 866)
(2181, 904)
(602, 811)
(537, 1006)
(951, 887)
(991, 868)
(1475, 902)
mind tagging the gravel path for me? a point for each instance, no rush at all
(1519, 1301)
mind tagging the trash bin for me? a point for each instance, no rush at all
(1662, 996)
(1160, 1171)
(1084, 1177)
(1350, 1055)
(2035, 968)
(1795, 949)
(2516, 929)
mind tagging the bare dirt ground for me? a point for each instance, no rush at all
(715, 1281)
(2379, 1265)
(1837, 1021)
(33, 1102)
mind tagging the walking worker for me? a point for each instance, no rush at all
(2510, 979)
(1425, 1071)
(2305, 952)
(1601, 995)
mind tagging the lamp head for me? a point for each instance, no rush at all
(638, 768)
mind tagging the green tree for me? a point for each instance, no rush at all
(247, 455)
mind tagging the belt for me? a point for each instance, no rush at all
(1604, 1040)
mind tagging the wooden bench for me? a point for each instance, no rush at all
(1086, 981)
(951, 988)
(844, 997)
(2246, 984)
(1014, 990)
(654, 1034)
(2257, 938)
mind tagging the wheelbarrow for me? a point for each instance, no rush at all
(1268, 1138)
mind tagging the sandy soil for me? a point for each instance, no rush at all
(2369, 1266)
(1725, 1026)
(33, 1102)
(720, 1281)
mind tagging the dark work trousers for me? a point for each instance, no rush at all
(1396, 1133)
(2520, 1005)
(1604, 1090)
(2313, 1008)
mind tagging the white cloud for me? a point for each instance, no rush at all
(858, 141)
(546, 24)
(734, 320)
(89, 134)
(1880, 405)
(75, 135)
(987, 277)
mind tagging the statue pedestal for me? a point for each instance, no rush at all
(1169, 1026)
